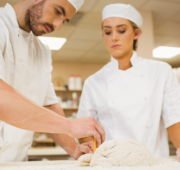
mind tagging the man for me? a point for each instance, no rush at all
(25, 81)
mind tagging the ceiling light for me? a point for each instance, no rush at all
(166, 52)
(53, 43)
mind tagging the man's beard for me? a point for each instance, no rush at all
(33, 19)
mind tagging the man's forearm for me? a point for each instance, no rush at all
(174, 134)
(17, 110)
(66, 142)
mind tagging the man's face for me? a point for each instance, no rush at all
(45, 16)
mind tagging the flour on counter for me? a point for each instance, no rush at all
(112, 155)
(159, 164)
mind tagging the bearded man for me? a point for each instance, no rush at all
(27, 99)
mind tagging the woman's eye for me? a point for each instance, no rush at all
(122, 31)
(108, 33)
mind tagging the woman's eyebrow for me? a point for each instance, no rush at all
(116, 26)
(121, 25)
(106, 27)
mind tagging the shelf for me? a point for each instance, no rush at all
(46, 151)
(64, 90)
(48, 140)
(70, 108)
(59, 89)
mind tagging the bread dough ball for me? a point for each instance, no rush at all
(85, 160)
(122, 153)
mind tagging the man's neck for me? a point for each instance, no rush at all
(125, 61)
(21, 9)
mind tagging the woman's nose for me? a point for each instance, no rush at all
(115, 36)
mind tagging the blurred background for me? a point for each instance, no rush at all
(84, 53)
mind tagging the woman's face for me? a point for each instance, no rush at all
(119, 36)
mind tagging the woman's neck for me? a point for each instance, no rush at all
(125, 61)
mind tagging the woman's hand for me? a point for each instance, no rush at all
(82, 149)
(178, 154)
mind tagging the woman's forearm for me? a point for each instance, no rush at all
(174, 134)
(66, 142)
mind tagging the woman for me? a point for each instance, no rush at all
(132, 97)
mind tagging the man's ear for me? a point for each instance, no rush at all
(137, 34)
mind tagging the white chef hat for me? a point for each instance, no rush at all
(77, 3)
(123, 11)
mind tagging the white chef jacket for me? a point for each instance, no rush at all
(137, 104)
(25, 64)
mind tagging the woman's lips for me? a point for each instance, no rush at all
(116, 46)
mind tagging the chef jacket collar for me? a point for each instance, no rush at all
(135, 60)
(11, 15)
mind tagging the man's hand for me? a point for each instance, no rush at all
(83, 149)
(86, 127)
(77, 128)
(178, 154)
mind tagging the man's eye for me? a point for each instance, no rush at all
(108, 33)
(57, 12)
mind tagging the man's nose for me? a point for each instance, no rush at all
(57, 24)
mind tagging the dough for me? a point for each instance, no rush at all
(85, 160)
(122, 153)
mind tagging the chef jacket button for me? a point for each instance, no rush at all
(147, 127)
(146, 98)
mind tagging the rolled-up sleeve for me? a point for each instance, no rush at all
(51, 97)
(2, 46)
(171, 104)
